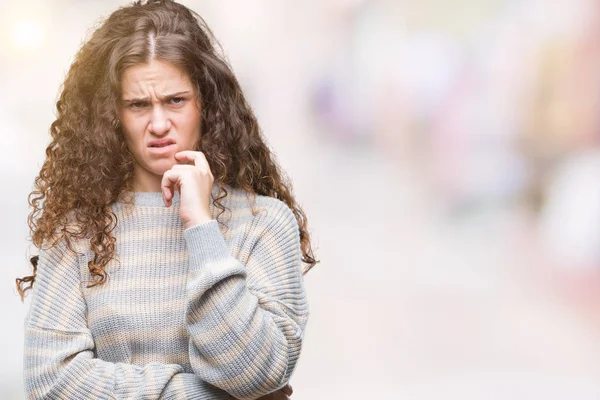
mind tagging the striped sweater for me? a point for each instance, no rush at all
(198, 313)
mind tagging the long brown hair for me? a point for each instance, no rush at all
(88, 149)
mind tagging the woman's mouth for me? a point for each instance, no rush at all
(161, 148)
(161, 142)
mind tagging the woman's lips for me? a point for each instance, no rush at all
(159, 150)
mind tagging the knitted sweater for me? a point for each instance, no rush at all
(199, 313)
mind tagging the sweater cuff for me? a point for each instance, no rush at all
(205, 243)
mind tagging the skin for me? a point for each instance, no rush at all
(159, 101)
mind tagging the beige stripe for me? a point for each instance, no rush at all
(131, 236)
(133, 335)
(124, 285)
(132, 309)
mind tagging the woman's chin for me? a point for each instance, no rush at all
(163, 163)
(159, 167)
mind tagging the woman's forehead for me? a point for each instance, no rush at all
(156, 77)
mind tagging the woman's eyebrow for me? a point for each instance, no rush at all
(170, 95)
(161, 97)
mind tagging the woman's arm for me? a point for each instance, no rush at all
(59, 359)
(246, 322)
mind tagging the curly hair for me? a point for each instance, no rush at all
(88, 149)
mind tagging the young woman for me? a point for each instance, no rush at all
(171, 246)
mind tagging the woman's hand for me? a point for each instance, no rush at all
(281, 394)
(194, 182)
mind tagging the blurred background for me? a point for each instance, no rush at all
(447, 155)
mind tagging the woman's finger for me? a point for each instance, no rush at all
(195, 157)
(183, 166)
(287, 389)
(173, 177)
(168, 185)
(279, 395)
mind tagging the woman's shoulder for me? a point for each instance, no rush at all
(69, 235)
(259, 208)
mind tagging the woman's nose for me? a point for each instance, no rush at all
(159, 123)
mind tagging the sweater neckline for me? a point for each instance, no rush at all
(154, 199)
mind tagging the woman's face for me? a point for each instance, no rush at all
(160, 115)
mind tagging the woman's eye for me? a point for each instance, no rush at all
(137, 104)
(177, 100)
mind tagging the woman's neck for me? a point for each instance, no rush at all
(146, 182)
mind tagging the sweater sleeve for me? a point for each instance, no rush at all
(246, 322)
(59, 358)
